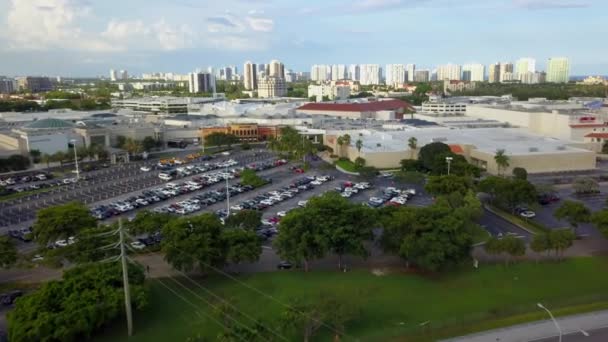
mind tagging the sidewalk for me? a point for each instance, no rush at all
(540, 329)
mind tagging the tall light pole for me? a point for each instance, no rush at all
(227, 194)
(449, 161)
(73, 141)
(559, 329)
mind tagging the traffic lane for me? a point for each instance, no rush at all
(496, 225)
(597, 335)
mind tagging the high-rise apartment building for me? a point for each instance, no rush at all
(354, 72)
(34, 84)
(338, 72)
(290, 76)
(113, 75)
(506, 72)
(395, 74)
(524, 65)
(473, 72)
(449, 71)
(320, 73)
(271, 86)
(411, 72)
(250, 76)
(201, 82)
(494, 73)
(276, 69)
(371, 74)
(558, 70)
(124, 75)
(422, 76)
(7, 85)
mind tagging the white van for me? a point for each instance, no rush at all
(165, 176)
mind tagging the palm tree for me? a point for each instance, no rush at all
(347, 140)
(35, 154)
(133, 146)
(340, 142)
(502, 160)
(413, 145)
(46, 158)
(359, 145)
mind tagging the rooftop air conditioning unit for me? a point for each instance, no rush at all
(533, 149)
(440, 139)
(561, 148)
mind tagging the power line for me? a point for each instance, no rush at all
(196, 307)
(332, 328)
(231, 306)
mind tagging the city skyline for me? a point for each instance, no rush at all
(82, 38)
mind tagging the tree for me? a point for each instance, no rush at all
(133, 146)
(192, 242)
(600, 220)
(573, 212)
(541, 243)
(61, 222)
(520, 173)
(120, 141)
(148, 143)
(245, 219)
(560, 240)
(513, 246)
(493, 246)
(411, 165)
(428, 154)
(249, 177)
(502, 160)
(359, 145)
(301, 238)
(148, 222)
(585, 186)
(46, 158)
(367, 172)
(241, 245)
(412, 143)
(71, 309)
(340, 142)
(8, 252)
(443, 185)
(359, 163)
(245, 146)
(35, 154)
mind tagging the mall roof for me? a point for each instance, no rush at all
(48, 124)
(514, 141)
(372, 106)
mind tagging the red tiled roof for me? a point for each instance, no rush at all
(456, 149)
(373, 106)
(597, 135)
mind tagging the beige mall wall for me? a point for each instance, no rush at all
(540, 163)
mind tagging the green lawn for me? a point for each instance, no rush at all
(480, 235)
(15, 195)
(346, 165)
(391, 306)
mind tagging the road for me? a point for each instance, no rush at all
(597, 335)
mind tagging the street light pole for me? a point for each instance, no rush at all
(73, 141)
(449, 161)
(227, 195)
(559, 329)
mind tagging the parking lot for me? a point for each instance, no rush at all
(98, 186)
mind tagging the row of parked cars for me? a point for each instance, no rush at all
(189, 170)
(391, 196)
(23, 234)
(165, 192)
(197, 202)
(348, 189)
(24, 179)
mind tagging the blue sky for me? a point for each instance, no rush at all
(88, 37)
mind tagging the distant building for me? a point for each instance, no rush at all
(473, 72)
(333, 92)
(34, 84)
(449, 72)
(354, 72)
(371, 74)
(591, 80)
(524, 67)
(411, 70)
(250, 76)
(320, 73)
(455, 85)
(276, 69)
(271, 86)
(395, 74)
(200, 82)
(506, 72)
(422, 76)
(290, 76)
(389, 109)
(494, 73)
(113, 75)
(7, 85)
(338, 72)
(558, 70)
(124, 75)
(303, 76)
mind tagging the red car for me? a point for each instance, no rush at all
(274, 219)
(298, 170)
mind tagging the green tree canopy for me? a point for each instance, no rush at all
(71, 309)
(249, 177)
(573, 212)
(246, 219)
(443, 185)
(62, 222)
(241, 245)
(8, 252)
(147, 221)
(520, 173)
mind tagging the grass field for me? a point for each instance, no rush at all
(346, 165)
(391, 306)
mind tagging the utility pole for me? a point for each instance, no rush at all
(125, 278)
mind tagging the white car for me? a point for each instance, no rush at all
(267, 222)
(346, 194)
(236, 207)
(376, 200)
(61, 243)
(137, 245)
(316, 182)
(165, 176)
(399, 200)
(302, 203)
(527, 214)
(145, 168)
(281, 213)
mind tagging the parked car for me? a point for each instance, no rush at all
(284, 265)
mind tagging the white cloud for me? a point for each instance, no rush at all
(138, 35)
(260, 24)
(549, 4)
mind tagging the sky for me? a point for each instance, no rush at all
(89, 37)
